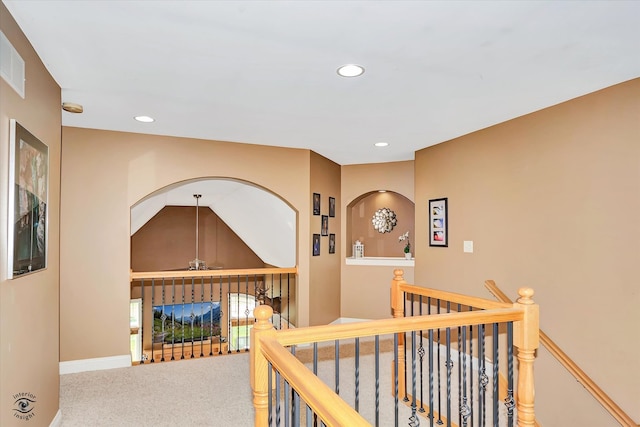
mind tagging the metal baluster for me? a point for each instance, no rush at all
(471, 368)
(212, 319)
(439, 364)
(295, 410)
(413, 419)
(270, 391)
(431, 392)
(192, 315)
(246, 311)
(496, 368)
(421, 353)
(377, 374)
(395, 377)
(286, 403)
(202, 316)
(237, 343)
(309, 417)
(182, 320)
(173, 317)
(277, 398)
(220, 320)
(464, 407)
(509, 402)
(357, 361)
(315, 372)
(337, 366)
(449, 368)
(483, 380)
(142, 358)
(459, 370)
(404, 311)
(153, 326)
(288, 300)
(163, 318)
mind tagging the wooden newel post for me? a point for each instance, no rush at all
(526, 340)
(259, 368)
(397, 311)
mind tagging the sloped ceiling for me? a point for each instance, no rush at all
(262, 220)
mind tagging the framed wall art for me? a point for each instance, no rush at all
(332, 207)
(316, 203)
(332, 243)
(316, 244)
(325, 226)
(28, 199)
(438, 223)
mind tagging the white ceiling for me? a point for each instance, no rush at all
(264, 72)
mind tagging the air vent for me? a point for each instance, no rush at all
(11, 65)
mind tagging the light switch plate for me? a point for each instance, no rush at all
(468, 246)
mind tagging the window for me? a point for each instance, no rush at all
(240, 320)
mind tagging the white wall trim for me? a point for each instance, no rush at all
(97, 364)
(57, 420)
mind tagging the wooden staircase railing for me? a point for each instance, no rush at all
(602, 397)
(268, 350)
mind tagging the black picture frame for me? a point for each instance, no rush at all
(324, 229)
(316, 245)
(438, 222)
(332, 243)
(316, 203)
(332, 207)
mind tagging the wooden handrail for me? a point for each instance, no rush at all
(573, 368)
(453, 297)
(393, 326)
(210, 273)
(329, 407)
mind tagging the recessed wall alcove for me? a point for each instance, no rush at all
(359, 226)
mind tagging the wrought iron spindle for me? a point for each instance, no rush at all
(153, 329)
(357, 379)
(270, 391)
(421, 353)
(277, 398)
(404, 349)
(163, 318)
(471, 369)
(449, 368)
(221, 316)
(237, 337)
(337, 366)
(247, 312)
(395, 378)
(509, 402)
(286, 403)
(212, 319)
(464, 406)
(192, 315)
(431, 391)
(202, 317)
(459, 371)
(439, 364)
(142, 359)
(182, 322)
(173, 317)
(413, 419)
(295, 410)
(377, 374)
(483, 380)
(496, 369)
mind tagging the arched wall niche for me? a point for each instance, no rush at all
(359, 226)
(265, 222)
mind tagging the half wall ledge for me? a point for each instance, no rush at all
(381, 261)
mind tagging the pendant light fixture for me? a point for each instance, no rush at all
(197, 264)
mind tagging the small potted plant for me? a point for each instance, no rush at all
(407, 247)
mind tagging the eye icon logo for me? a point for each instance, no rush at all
(24, 405)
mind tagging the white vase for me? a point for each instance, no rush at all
(407, 255)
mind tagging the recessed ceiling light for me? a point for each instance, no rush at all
(381, 144)
(145, 119)
(350, 70)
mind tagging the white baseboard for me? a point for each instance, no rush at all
(97, 364)
(57, 420)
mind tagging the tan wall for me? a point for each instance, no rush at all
(167, 242)
(324, 281)
(29, 304)
(105, 173)
(365, 290)
(551, 201)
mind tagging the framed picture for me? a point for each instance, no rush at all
(332, 243)
(316, 244)
(438, 223)
(28, 199)
(316, 203)
(332, 207)
(325, 225)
